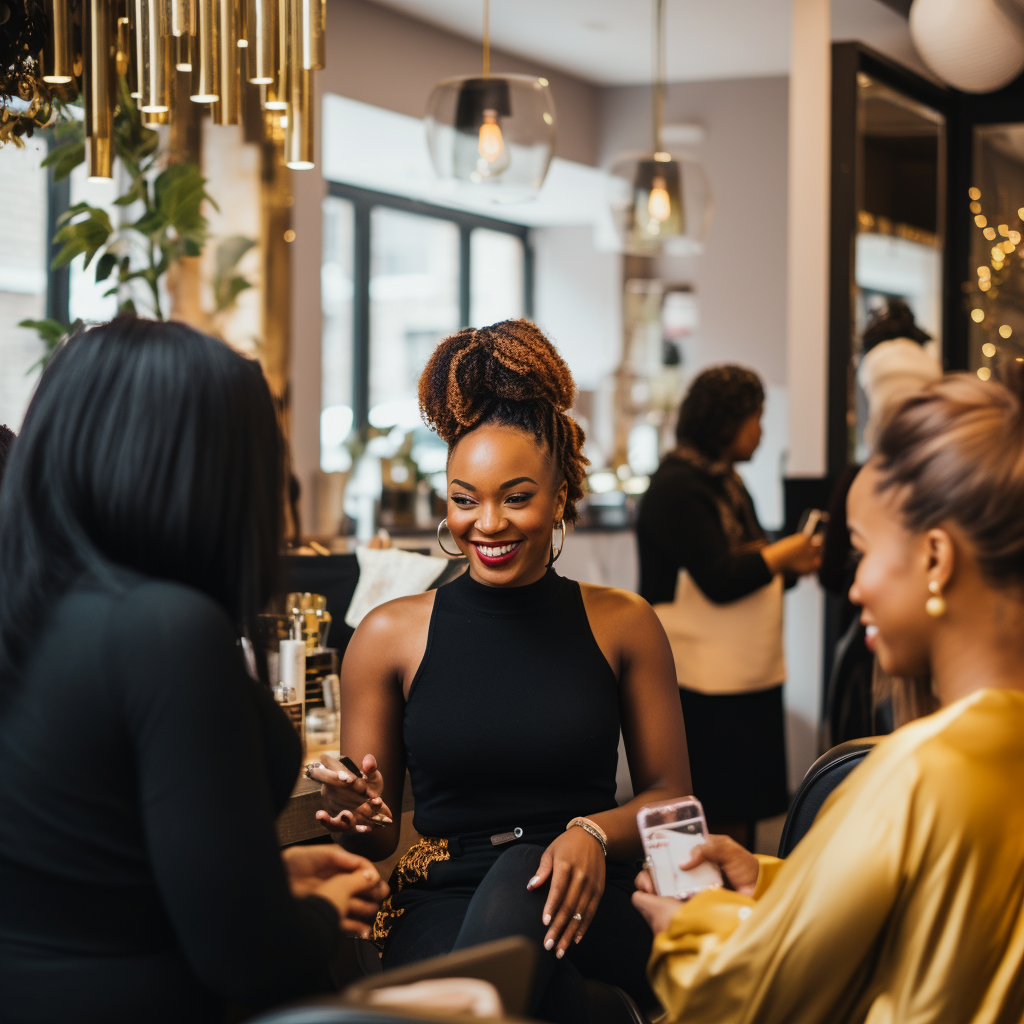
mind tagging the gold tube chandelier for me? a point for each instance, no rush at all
(233, 52)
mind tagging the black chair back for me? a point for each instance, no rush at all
(822, 777)
(331, 1014)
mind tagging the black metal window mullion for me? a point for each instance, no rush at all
(465, 282)
(58, 282)
(361, 317)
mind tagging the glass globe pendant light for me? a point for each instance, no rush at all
(661, 202)
(492, 135)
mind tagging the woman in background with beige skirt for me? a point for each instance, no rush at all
(716, 584)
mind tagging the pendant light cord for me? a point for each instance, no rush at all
(658, 90)
(487, 38)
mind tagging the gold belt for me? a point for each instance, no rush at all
(411, 867)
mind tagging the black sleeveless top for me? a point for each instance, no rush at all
(513, 715)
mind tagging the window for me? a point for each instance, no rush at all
(336, 350)
(23, 259)
(414, 303)
(397, 277)
(496, 277)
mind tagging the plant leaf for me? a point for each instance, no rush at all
(50, 331)
(138, 191)
(178, 194)
(229, 252)
(228, 289)
(65, 158)
(104, 265)
(128, 306)
(86, 236)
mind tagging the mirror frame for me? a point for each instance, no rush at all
(849, 59)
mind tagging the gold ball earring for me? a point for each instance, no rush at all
(935, 606)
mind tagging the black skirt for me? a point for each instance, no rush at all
(737, 747)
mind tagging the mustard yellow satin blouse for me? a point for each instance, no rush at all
(904, 902)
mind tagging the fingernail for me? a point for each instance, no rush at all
(560, 954)
(368, 875)
(579, 935)
(366, 934)
(532, 882)
(548, 943)
(546, 919)
(344, 777)
(362, 828)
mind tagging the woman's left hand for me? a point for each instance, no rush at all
(574, 863)
(309, 866)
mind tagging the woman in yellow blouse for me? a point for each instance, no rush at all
(905, 901)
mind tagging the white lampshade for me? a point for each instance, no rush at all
(661, 204)
(973, 45)
(495, 135)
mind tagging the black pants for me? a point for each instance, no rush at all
(615, 948)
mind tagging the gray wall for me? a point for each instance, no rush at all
(740, 279)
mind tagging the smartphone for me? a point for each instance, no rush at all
(812, 521)
(669, 832)
(352, 766)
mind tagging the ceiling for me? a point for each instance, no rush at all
(608, 42)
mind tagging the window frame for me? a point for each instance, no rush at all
(363, 201)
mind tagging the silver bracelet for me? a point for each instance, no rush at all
(588, 826)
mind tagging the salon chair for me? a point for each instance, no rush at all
(822, 777)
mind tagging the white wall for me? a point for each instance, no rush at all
(578, 301)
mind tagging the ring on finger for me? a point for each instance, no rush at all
(310, 767)
(577, 916)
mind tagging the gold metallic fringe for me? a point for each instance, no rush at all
(412, 867)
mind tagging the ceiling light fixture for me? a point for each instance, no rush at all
(494, 134)
(661, 202)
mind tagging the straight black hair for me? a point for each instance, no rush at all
(147, 445)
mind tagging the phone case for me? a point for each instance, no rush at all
(669, 832)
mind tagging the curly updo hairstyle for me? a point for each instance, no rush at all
(508, 373)
(719, 401)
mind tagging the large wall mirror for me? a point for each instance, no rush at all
(889, 210)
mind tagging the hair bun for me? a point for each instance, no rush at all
(511, 361)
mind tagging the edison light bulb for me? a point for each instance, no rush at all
(659, 206)
(491, 144)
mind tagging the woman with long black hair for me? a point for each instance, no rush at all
(140, 526)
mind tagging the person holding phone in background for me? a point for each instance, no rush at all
(905, 900)
(504, 693)
(716, 584)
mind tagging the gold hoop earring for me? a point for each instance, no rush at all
(560, 525)
(442, 526)
(935, 606)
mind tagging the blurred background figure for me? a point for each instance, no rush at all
(897, 361)
(716, 584)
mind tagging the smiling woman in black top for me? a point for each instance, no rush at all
(139, 534)
(503, 693)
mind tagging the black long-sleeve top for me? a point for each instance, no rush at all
(141, 772)
(679, 527)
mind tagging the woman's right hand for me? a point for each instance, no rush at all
(800, 554)
(351, 804)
